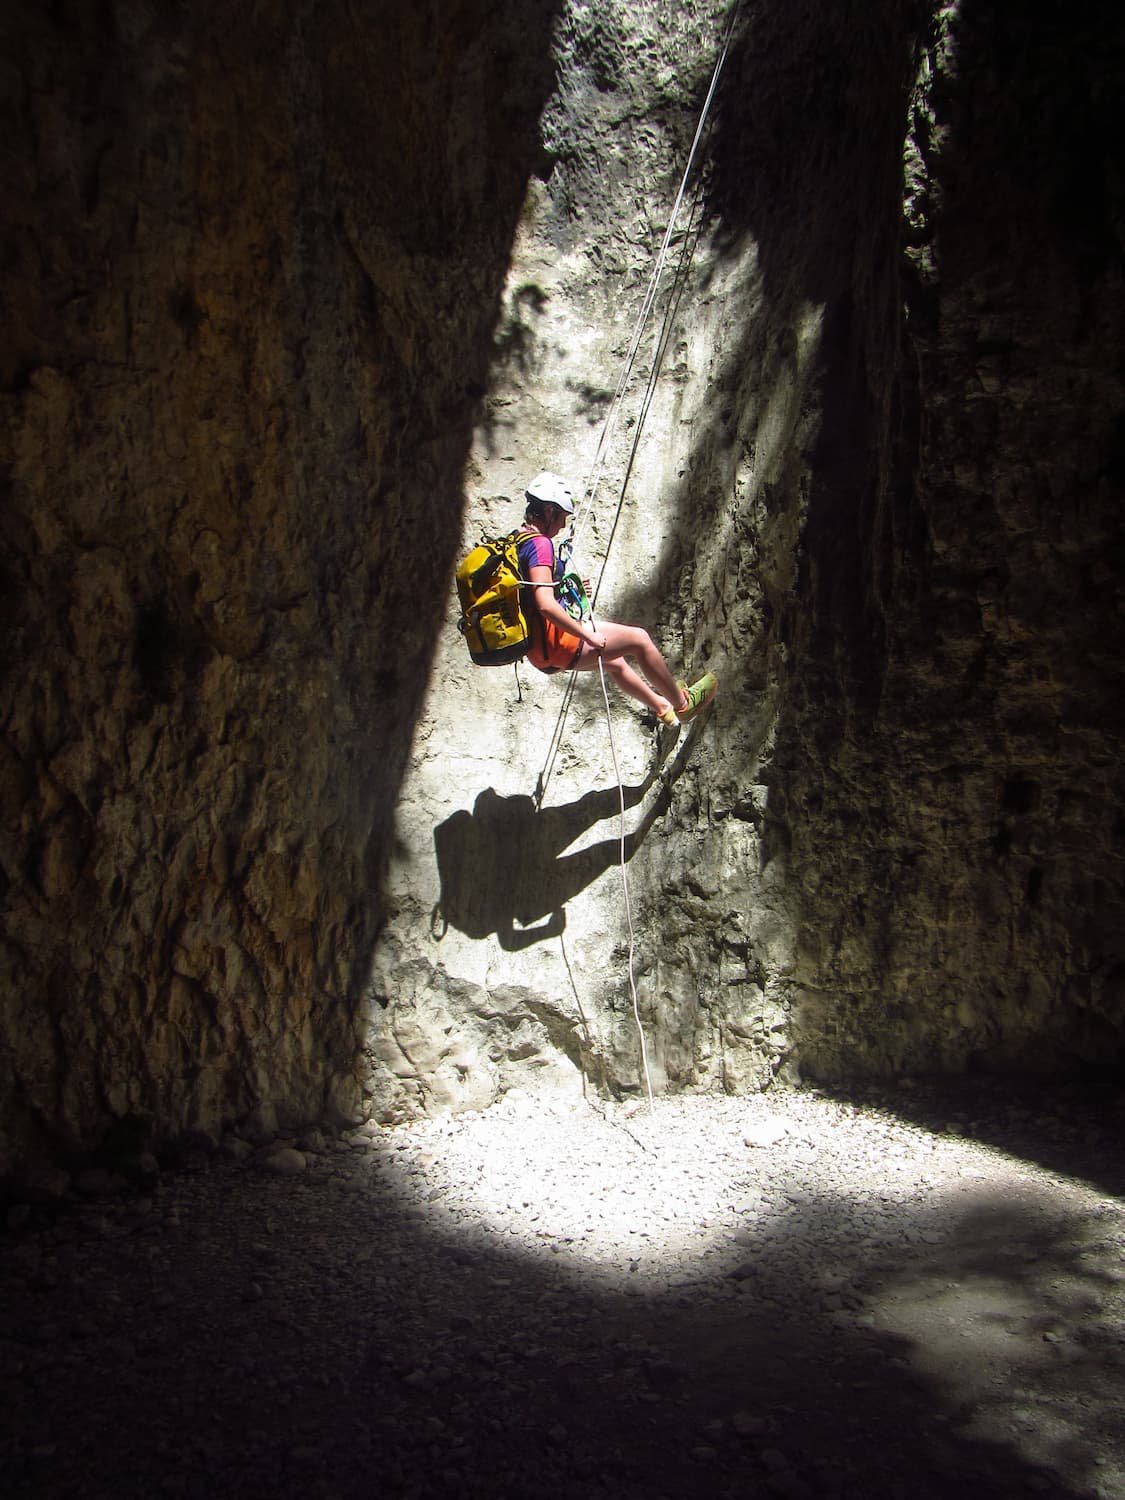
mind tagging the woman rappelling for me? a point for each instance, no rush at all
(560, 642)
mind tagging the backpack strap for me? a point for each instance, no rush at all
(520, 535)
(483, 576)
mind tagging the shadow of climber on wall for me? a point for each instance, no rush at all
(500, 865)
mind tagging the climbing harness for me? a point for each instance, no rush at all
(570, 590)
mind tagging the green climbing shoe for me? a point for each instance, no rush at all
(698, 695)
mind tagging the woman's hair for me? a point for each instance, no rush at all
(537, 510)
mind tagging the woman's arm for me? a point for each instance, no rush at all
(551, 609)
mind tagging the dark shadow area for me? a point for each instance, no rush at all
(346, 1339)
(807, 161)
(962, 495)
(502, 867)
(432, 114)
(804, 161)
(279, 361)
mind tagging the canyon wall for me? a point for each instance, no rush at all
(952, 773)
(252, 264)
(869, 471)
(296, 306)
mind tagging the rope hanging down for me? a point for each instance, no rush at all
(625, 892)
(601, 453)
(590, 490)
(593, 480)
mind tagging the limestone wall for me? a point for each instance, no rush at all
(878, 490)
(952, 752)
(253, 258)
(296, 303)
(506, 956)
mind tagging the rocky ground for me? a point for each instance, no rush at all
(901, 1295)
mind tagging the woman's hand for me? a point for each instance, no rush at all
(596, 640)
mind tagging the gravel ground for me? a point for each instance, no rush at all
(903, 1295)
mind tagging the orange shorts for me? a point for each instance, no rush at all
(552, 648)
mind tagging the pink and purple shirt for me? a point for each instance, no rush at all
(536, 551)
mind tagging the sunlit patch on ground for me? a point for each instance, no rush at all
(1000, 1281)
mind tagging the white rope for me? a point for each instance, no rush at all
(625, 888)
(600, 454)
(588, 494)
(594, 478)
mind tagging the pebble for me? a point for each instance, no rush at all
(540, 1288)
(765, 1133)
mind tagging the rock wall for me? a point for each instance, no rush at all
(295, 306)
(742, 374)
(252, 261)
(951, 770)
(870, 490)
(506, 954)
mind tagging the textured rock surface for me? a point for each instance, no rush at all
(953, 773)
(881, 495)
(506, 951)
(252, 262)
(286, 293)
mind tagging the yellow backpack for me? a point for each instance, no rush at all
(493, 621)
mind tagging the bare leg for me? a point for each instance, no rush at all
(631, 640)
(630, 682)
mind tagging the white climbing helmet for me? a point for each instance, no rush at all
(551, 489)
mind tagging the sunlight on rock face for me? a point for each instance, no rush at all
(865, 468)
